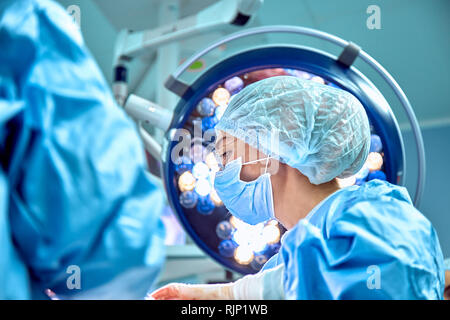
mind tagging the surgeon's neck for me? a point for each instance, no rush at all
(297, 197)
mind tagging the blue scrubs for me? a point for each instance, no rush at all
(73, 184)
(363, 242)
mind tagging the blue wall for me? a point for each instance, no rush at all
(435, 203)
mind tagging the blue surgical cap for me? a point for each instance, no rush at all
(320, 130)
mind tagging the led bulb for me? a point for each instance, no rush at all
(219, 111)
(224, 230)
(188, 199)
(211, 162)
(206, 107)
(202, 187)
(215, 198)
(374, 161)
(235, 222)
(318, 79)
(197, 152)
(272, 222)
(221, 96)
(271, 234)
(375, 143)
(258, 262)
(346, 182)
(234, 85)
(205, 206)
(227, 248)
(200, 170)
(186, 181)
(258, 244)
(243, 255)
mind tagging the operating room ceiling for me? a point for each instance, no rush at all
(413, 50)
(143, 14)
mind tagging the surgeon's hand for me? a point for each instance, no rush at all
(181, 291)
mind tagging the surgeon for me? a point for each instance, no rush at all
(79, 215)
(284, 143)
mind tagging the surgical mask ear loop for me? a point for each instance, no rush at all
(254, 161)
(267, 164)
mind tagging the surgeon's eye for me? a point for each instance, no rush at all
(225, 156)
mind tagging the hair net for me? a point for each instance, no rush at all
(320, 130)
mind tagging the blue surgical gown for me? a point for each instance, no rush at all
(73, 184)
(366, 242)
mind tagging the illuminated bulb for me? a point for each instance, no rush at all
(241, 237)
(202, 187)
(237, 223)
(257, 227)
(258, 244)
(243, 254)
(298, 73)
(221, 96)
(272, 222)
(302, 74)
(186, 181)
(248, 228)
(247, 234)
(374, 161)
(211, 162)
(318, 79)
(271, 234)
(219, 111)
(347, 182)
(200, 170)
(215, 198)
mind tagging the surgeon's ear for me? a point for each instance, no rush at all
(250, 172)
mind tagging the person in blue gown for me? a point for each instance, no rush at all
(79, 214)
